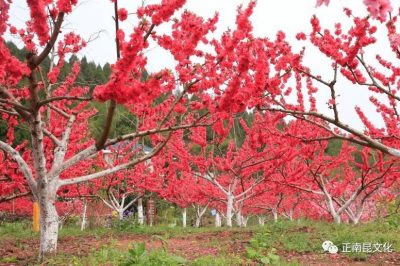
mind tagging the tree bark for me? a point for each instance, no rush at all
(198, 222)
(336, 218)
(140, 211)
(229, 210)
(239, 218)
(218, 222)
(261, 220)
(291, 215)
(48, 225)
(184, 217)
(120, 214)
(275, 214)
(244, 221)
(84, 219)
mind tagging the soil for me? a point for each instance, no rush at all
(190, 246)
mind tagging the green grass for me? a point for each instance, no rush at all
(217, 261)
(269, 243)
(21, 229)
(307, 236)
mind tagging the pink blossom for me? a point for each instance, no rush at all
(378, 8)
(394, 39)
(321, 2)
(122, 14)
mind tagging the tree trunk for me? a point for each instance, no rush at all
(151, 211)
(291, 215)
(229, 210)
(184, 217)
(275, 214)
(48, 226)
(356, 217)
(218, 222)
(261, 220)
(244, 221)
(239, 218)
(198, 222)
(120, 214)
(336, 218)
(84, 220)
(140, 211)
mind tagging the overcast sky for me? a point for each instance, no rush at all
(291, 16)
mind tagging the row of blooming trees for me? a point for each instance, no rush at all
(277, 165)
(271, 172)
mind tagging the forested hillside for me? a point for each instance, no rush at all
(91, 74)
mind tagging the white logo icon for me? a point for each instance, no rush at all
(330, 247)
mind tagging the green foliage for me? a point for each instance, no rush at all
(8, 259)
(282, 237)
(393, 212)
(124, 225)
(21, 229)
(217, 261)
(306, 236)
(138, 255)
(123, 122)
(105, 255)
(167, 212)
(260, 251)
(334, 147)
(108, 254)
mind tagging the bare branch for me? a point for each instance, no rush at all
(76, 180)
(34, 61)
(49, 100)
(14, 196)
(52, 137)
(369, 140)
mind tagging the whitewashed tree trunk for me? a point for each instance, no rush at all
(275, 214)
(118, 204)
(48, 223)
(359, 213)
(229, 210)
(84, 219)
(336, 218)
(140, 211)
(244, 221)
(197, 222)
(261, 220)
(290, 215)
(356, 220)
(355, 216)
(239, 218)
(331, 208)
(218, 221)
(184, 217)
(200, 211)
(120, 214)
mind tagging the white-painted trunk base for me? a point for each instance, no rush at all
(184, 218)
(218, 220)
(140, 212)
(48, 228)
